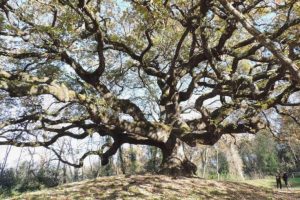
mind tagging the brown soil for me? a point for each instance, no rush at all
(159, 187)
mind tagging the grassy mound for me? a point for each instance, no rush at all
(159, 187)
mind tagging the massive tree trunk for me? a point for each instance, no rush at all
(174, 163)
(110, 90)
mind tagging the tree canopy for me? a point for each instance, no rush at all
(158, 73)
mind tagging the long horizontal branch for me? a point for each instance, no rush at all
(81, 159)
(23, 84)
(47, 143)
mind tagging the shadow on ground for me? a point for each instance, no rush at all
(158, 187)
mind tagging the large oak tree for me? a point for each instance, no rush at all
(149, 72)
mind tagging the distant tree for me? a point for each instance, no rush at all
(4, 160)
(47, 177)
(154, 159)
(290, 145)
(228, 145)
(108, 169)
(267, 157)
(132, 70)
(223, 167)
(7, 179)
(260, 157)
(27, 178)
(249, 158)
(122, 161)
(133, 160)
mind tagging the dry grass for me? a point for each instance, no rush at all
(158, 187)
(270, 182)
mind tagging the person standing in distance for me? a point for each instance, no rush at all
(278, 180)
(285, 178)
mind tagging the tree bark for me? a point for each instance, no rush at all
(122, 161)
(218, 174)
(204, 162)
(64, 178)
(174, 163)
(234, 160)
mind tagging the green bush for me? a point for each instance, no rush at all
(7, 179)
(26, 179)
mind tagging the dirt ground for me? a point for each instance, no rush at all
(159, 187)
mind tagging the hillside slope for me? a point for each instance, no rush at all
(158, 187)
